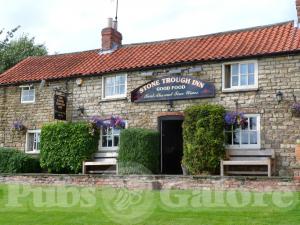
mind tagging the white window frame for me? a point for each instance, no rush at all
(104, 97)
(250, 146)
(31, 87)
(35, 151)
(239, 87)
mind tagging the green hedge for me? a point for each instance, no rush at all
(139, 151)
(64, 146)
(203, 135)
(15, 161)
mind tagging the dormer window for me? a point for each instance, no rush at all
(27, 94)
(240, 76)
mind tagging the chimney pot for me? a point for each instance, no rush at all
(109, 22)
(115, 24)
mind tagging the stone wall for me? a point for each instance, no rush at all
(279, 130)
(159, 182)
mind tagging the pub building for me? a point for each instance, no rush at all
(255, 71)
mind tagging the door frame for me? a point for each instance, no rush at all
(160, 121)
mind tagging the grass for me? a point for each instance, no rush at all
(39, 205)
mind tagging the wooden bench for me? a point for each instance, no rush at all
(248, 158)
(102, 160)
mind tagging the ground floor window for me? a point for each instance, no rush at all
(33, 141)
(110, 138)
(247, 137)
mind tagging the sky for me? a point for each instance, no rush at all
(75, 25)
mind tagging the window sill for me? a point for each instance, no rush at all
(113, 99)
(239, 90)
(32, 153)
(27, 102)
(242, 148)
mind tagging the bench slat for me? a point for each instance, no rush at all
(251, 152)
(259, 162)
(248, 158)
(247, 172)
(106, 155)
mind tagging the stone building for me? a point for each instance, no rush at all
(255, 71)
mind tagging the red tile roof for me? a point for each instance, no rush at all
(267, 40)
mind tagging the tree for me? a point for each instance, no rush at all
(12, 51)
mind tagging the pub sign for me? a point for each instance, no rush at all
(173, 88)
(60, 107)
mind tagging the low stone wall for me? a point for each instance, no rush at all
(158, 182)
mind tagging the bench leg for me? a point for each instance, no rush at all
(83, 168)
(269, 168)
(222, 168)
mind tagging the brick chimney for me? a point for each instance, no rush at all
(298, 12)
(111, 37)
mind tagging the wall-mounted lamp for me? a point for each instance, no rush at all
(80, 110)
(170, 105)
(79, 81)
(279, 96)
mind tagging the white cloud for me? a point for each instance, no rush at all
(66, 25)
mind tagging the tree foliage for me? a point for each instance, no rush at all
(12, 51)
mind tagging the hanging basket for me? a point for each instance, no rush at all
(296, 109)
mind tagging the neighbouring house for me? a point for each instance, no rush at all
(254, 70)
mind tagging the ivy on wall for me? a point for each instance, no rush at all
(203, 138)
(64, 146)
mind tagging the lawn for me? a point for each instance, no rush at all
(87, 205)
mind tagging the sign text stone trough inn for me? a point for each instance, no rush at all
(149, 83)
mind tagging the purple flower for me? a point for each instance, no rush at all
(236, 119)
(296, 107)
(18, 125)
(97, 121)
(113, 121)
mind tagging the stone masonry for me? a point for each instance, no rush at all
(279, 129)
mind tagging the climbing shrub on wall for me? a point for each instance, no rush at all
(139, 151)
(203, 138)
(64, 146)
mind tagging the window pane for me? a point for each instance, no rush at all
(235, 80)
(236, 137)
(235, 69)
(122, 79)
(104, 141)
(109, 141)
(244, 69)
(253, 138)
(253, 123)
(116, 141)
(244, 80)
(251, 79)
(122, 89)
(228, 138)
(117, 131)
(251, 68)
(245, 135)
(227, 76)
(30, 142)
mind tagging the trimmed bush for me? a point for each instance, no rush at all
(64, 146)
(203, 138)
(139, 151)
(15, 161)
